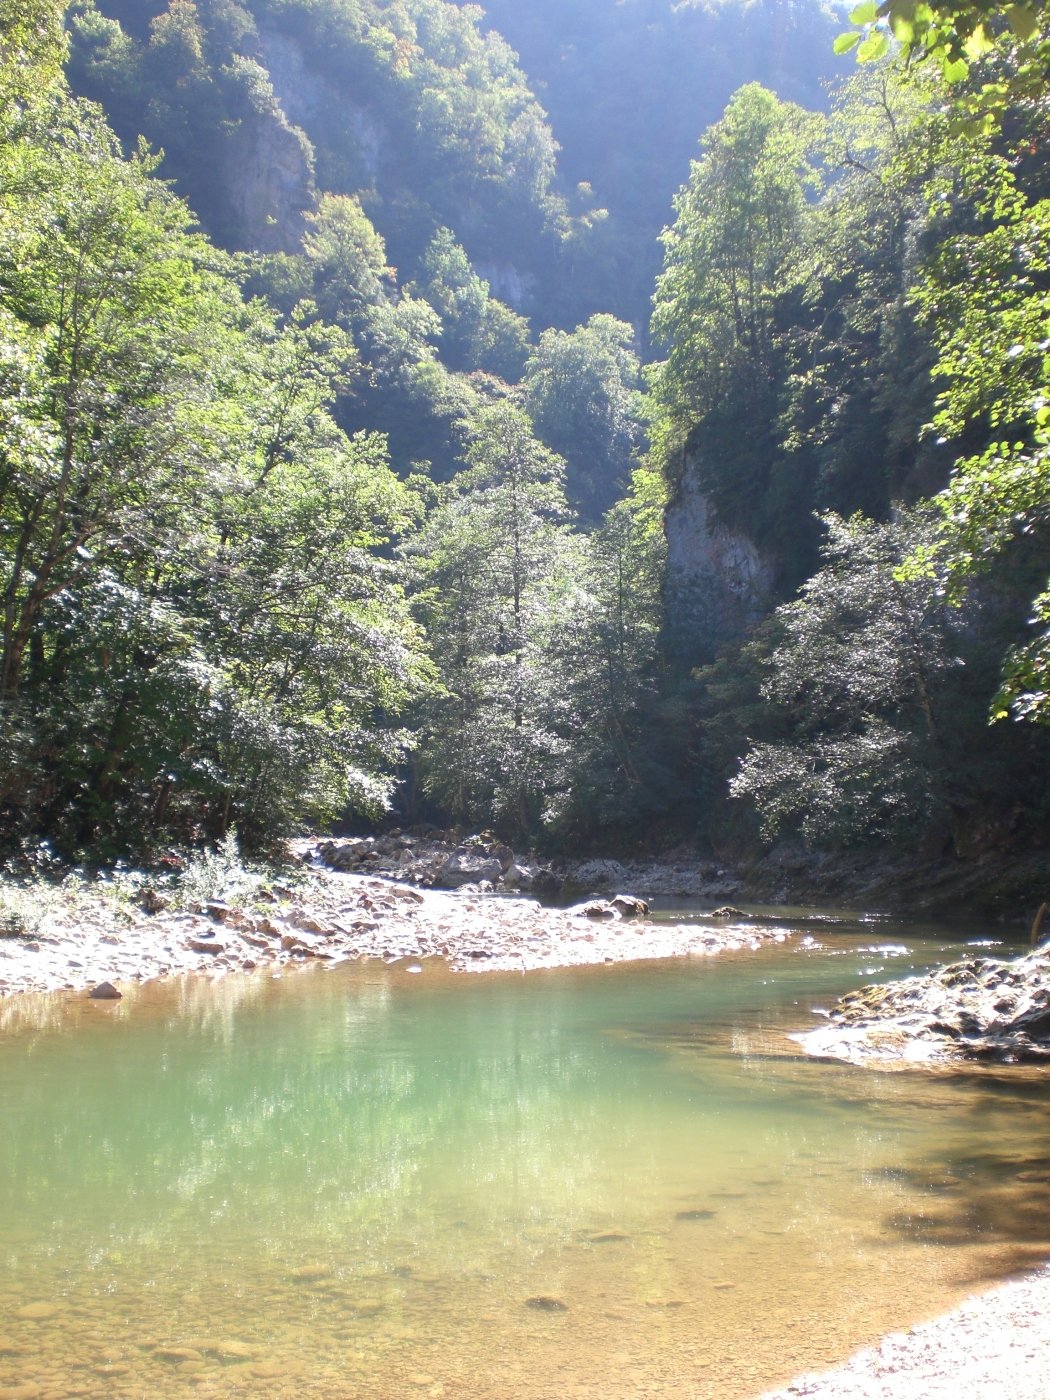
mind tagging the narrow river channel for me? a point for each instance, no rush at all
(379, 1182)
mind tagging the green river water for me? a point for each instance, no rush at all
(374, 1182)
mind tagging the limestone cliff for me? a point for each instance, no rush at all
(509, 284)
(331, 116)
(717, 584)
(269, 182)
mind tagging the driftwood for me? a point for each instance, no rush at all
(1037, 925)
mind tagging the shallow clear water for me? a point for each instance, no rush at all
(618, 1181)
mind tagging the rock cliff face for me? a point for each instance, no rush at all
(301, 94)
(509, 284)
(316, 105)
(270, 184)
(717, 582)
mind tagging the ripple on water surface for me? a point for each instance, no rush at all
(610, 1181)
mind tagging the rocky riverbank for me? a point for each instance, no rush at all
(431, 859)
(978, 1009)
(332, 916)
(999, 885)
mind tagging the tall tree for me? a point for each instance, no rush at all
(987, 297)
(731, 251)
(491, 557)
(605, 644)
(859, 662)
(582, 394)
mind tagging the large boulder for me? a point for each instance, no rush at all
(630, 906)
(467, 868)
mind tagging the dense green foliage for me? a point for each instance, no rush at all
(898, 325)
(32, 46)
(734, 248)
(987, 296)
(797, 374)
(196, 629)
(955, 35)
(546, 642)
(882, 686)
(581, 392)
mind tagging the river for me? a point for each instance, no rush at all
(386, 1181)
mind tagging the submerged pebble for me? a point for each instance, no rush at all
(38, 1312)
(310, 1273)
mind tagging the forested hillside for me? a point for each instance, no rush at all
(629, 87)
(341, 473)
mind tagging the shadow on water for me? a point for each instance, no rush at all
(1001, 1199)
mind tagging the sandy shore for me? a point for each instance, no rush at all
(992, 1346)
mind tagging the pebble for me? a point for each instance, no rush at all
(177, 1355)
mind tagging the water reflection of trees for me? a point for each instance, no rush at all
(335, 1113)
(347, 1116)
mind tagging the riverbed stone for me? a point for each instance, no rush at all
(228, 1352)
(546, 1302)
(38, 1312)
(310, 1273)
(366, 917)
(602, 874)
(594, 909)
(211, 945)
(629, 906)
(177, 1355)
(105, 991)
(366, 1307)
(269, 1370)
